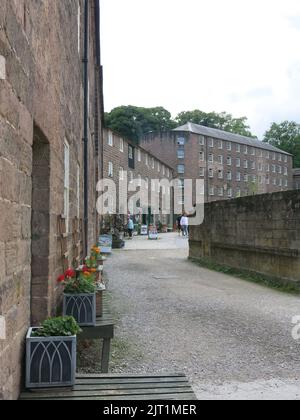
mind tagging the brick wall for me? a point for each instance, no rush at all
(261, 177)
(41, 100)
(260, 234)
(146, 165)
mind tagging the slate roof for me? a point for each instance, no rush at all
(224, 135)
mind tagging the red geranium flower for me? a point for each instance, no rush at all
(70, 273)
(85, 269)
(61, 279)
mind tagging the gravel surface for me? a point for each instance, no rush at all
(233, 339)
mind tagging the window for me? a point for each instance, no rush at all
(252, 151)
(275, 182)
(121, 174)
(238, 162)
(229, 176)
(201, 140)
(228, 146)
(285, 159)
(260, 167)
(168, 172)
(274, 169)
(280, 169)
(158, 166)
(180, 141)
(131, 160)
(267, 155)
(67, 184)
(238, 176)
(181, 169)
(267, 180)
(220, 192)
(211, 142)
(110, 169)
(260, 153)
(238, 193)
(180, 154)
(245, 150)
(253, 165)
(147, 159)
(121, 145)
(285, 183)
(110, 139)
(220, 174)
(211, 158)
(201, 156)
(238, 148)
(268, 167)
(285, 171)
(211, 173)
(153, 163)
(220, 144)
(220, 159)
(211, 191)
(130, 152)
(280, 158)
(130, 177)
(246, 164)
(139, 179)
(201, 172)
(246, 178)
(280, 182)
(229, 160)
(254, 179)
(139, 155)
(274, 156)
(147, 183)
(229, 192)
(164, 170)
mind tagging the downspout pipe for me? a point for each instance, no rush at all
(86, 124)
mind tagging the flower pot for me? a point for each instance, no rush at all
(82, 307)
(99, 303)
(50, 361)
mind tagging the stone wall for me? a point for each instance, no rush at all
(259, 234)
(41, 107)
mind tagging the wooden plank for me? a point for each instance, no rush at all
(108, 393)
(188, 396)
(146, 386)
(133, 375)
(134, 381)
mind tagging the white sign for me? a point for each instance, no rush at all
(2, 328)
(144, 230)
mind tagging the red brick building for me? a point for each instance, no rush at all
(123, 158)
(230, 165)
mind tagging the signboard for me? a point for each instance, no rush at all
(153, 234)
(144, 230)
(105, 244)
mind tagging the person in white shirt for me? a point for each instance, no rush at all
(185, 225)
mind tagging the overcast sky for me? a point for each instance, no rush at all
(239, 56)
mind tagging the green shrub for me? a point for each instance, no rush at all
(58, 327)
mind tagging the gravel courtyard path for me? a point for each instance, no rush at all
(233, 339)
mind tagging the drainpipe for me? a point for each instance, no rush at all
(86, 123)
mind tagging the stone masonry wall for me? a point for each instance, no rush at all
(259, 234)
(41, 100)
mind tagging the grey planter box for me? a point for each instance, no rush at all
(50, 361)
(82, 308)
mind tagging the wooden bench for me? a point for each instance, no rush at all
(120, 387)
(104, 330)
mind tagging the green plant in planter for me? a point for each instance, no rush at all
(58, 327)
(83, 284)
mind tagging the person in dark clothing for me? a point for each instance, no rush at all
(178, 222)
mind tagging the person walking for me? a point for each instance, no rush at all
(178, 222)
(184, 222)
(130, 227)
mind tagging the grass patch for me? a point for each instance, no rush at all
(267, 281)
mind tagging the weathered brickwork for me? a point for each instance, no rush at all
(260, 234)
(41, 107)
(144, 166)
(228, 169)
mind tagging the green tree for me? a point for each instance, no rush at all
(222, 121)
(133, 122)
(285, 136)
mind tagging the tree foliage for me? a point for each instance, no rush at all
(222, 121)
(285, 136)
(133, 122)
